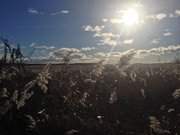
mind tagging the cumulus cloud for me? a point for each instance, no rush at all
(167, 34)
(78, 55)
(37, 12)
(128, 41)
(46, 47)
(54, 55)
(57, 56)
(105, 38)
(105, 20)
(108, 41)
(93, 29)
(106, 35)
(60, 12)
(159, 16)
(65, 11)
(34, 11)
(177, 12)
(100, 55)
(147, 52)
(43, 59)
(160, 50)
(39, 51)
(66, 50)
(155, 41)
(74, 54)
(88, 49)
(141, 53)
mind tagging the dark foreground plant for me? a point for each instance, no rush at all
(110, 100)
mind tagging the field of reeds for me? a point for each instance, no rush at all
(109, 100)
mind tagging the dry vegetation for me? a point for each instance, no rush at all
(110, 100)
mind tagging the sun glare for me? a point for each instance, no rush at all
(130, 17)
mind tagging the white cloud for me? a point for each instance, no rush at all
(105, 20)
(77, 55)
(155, 41)
(60, 12)
(108, 41)
(106, 35)
(132, 53)
(88, 49)
(167, 34)
(160, 50)
(34, 11)
(65, 11)
(159, 16)
(46, 47)
(177, 12)
(50, 54)
(93, 29)
(128, 41)
(37, 12)
(100, 55)
(80, 55)
(105, 38)
(74, 54)
(64, 51)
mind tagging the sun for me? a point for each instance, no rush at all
(130, 17)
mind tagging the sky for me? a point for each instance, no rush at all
(92, 30)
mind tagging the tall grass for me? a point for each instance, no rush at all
(111, 100)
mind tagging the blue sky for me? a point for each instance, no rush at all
(91, 29)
